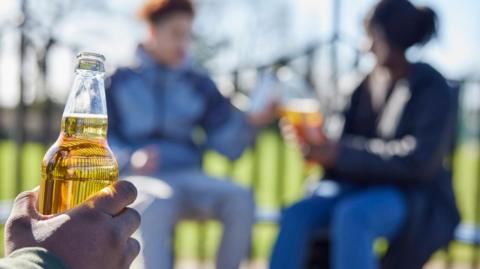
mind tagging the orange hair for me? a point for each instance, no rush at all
(154, 11)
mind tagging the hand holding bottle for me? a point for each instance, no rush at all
(95, 234)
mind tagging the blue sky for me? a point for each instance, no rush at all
(257, 34)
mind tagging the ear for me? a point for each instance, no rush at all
(152, 30)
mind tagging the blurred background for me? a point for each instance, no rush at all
(310, 43)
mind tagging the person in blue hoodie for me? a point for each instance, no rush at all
(387, 176)
(163, 116)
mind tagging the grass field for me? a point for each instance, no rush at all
(273, 162)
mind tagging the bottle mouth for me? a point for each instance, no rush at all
(91, 61)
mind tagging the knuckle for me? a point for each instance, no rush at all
(115, 236)
(132, 250)
(133, 219)
(18, 223)
(130, 253)
(134, 246)
(126, 189)
(24, 202)
(26, 195)
(93, 216)
(136, 217)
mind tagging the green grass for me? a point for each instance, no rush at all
(466, 178)
(30, 167)
(30, 171)
(272, 163)
(1, 241)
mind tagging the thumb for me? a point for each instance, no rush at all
(26, 204)
(114, 198)
(314, 135)
(18, 228)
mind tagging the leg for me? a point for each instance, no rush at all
(361, 218)
(236, 211)
(206, 197)
(157, 203)
(297, 224)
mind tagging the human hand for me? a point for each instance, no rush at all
(288, 131)
(324, 154)
(145, 160)
(268, 115)
(302, 134)
(318, 148)
(313, 142)
(95, 234)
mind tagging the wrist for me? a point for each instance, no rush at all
(254, 121)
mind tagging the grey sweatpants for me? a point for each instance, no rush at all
(164, 200)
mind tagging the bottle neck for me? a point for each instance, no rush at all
(87, 95)
(85, 113)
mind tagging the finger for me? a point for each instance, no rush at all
(114, 198)
(26, 204)
(274, 105)
(306, 150)
(153, 152)
(131, 252)
(127, 222)
(290, 135)
(312, 152)
(320, 137)
(291, 138)
(287, 128)
(284, 123)
(313, 135)
(151, 165)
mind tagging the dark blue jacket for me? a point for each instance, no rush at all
(406, 145)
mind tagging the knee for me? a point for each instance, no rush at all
(239, 203)
(347, 215)
(296, 216)
(152, 209)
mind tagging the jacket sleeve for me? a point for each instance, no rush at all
(417, 156)
(116, 141)
(228, 131)
(31, 258)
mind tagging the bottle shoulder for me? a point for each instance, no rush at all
(78, 148)
(79, 159)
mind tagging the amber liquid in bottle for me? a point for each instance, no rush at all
(80, 163)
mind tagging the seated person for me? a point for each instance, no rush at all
(386, 173)
(156, 109)
(104, 224)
